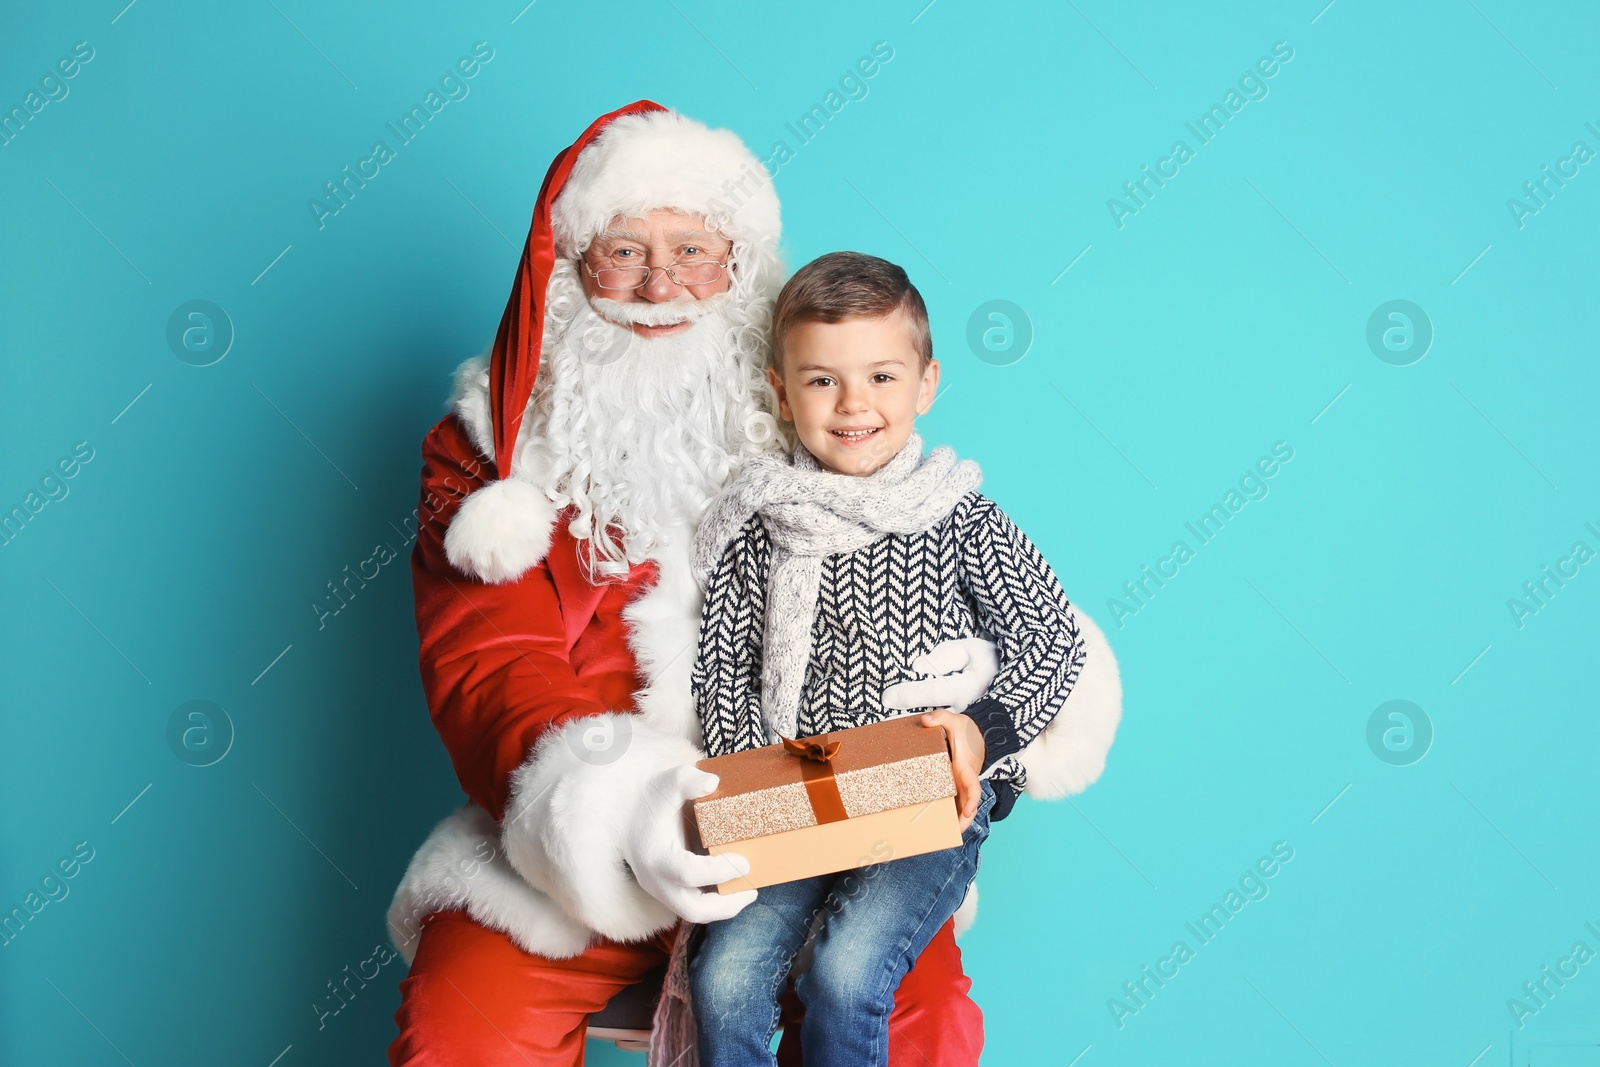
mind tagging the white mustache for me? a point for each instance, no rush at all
(645, 313)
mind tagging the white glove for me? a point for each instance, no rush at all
(963, 671)
(657, 851)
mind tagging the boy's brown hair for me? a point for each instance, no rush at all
(847, 285)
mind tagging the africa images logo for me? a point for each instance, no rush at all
(1253, 485)
(452, 87)
(1138, 192)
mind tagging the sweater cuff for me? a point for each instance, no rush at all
(999, 730)
(1005, 797)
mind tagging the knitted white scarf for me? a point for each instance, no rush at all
(809, 513)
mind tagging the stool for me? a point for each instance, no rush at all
(625, 1020)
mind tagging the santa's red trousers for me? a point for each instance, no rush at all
(475, 998)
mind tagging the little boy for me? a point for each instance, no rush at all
(826, 573)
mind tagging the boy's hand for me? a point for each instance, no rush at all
(966, 759)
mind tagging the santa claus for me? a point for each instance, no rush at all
(558, 614)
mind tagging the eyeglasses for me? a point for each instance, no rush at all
(694, 270)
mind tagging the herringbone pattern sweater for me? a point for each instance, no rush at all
(972, 574)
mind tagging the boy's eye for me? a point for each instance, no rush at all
(822, 380)
(882, 377)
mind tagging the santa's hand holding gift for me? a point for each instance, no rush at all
(558, 612)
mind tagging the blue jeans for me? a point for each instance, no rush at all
(879, 919)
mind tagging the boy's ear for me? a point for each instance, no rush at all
(929, 387)
(783, 398)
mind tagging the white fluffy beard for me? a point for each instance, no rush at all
(638, 434)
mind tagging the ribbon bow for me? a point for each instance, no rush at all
(822, 789)
(816, 749)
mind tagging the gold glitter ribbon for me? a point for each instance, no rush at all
(822, 789)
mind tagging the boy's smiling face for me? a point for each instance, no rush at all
(853, 389)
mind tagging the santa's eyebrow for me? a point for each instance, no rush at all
(677, 236)
(622, 235)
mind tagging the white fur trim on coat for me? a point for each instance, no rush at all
(661, 159)
(469, 399)
(462, 867)
(1071, 752)
(664, 635)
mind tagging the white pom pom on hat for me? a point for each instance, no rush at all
(501, 530)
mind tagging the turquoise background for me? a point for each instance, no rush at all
(1228, 314)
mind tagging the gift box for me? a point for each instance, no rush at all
(832, 802)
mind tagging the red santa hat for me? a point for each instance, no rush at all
(636, 159)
